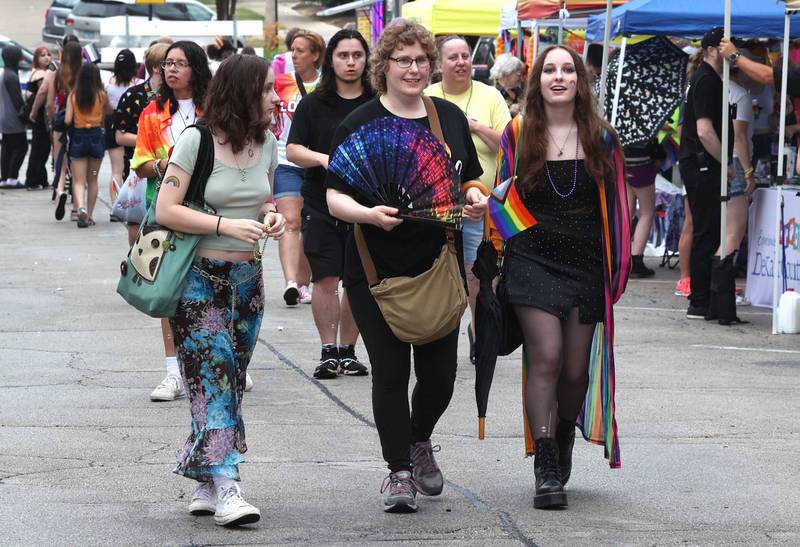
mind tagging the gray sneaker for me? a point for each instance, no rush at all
(400, 495)
(427, 475)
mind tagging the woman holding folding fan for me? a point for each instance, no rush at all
(567, 265)
(398, 245)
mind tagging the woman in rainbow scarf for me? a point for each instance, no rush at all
(564, 220)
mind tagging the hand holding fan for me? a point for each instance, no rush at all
(398, 163)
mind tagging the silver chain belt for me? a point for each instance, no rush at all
(227, 283)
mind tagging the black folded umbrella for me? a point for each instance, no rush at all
(496, 328)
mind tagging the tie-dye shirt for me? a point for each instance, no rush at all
(290, 96)
(154, 140)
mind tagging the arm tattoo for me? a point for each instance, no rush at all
(173, 181)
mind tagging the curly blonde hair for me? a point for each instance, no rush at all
(399, 32)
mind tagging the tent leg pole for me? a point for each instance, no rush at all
(604, 66)
(778, 262)
(723, 183)
(618, 84)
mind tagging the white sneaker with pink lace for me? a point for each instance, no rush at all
(305, 295)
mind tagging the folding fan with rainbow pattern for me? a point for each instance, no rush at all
(399, 163)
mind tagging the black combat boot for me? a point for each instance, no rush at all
(565, 437)
(549, 490)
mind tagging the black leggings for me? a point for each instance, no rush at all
(557, 353)
(434, 365)
(15, 146)
(36, 174)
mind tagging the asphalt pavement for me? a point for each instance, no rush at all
(707, 417)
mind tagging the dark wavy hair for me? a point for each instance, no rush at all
(87, 87)
(589, 123)
(326, 90)
(233, 101)
(201, 76)
(125, 67)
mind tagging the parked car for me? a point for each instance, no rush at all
(84, 20)
(24, 66)
(54, 20)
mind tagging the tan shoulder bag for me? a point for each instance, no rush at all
(426, 307)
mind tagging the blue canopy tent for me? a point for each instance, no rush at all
(749, 18)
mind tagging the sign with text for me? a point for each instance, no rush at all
(761, 244)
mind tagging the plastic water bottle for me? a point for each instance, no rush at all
(789, 312)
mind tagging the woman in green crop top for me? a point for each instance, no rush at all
(219, 315)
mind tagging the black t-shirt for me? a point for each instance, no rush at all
(314, 123)
(703, 100)
(410, 248)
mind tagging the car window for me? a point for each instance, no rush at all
(196, 13)
(98, 9)
(64, 3)
(170, 12)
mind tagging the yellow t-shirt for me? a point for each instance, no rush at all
(486, 105)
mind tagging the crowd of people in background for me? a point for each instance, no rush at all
(275, 129)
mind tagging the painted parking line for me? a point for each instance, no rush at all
(736, 348)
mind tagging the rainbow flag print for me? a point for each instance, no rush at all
(507, 211)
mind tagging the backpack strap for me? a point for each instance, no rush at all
(203, 166)
(301, 87)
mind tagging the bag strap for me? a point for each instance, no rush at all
(203, 166)
(366, 258)
(300, 85)
(433, 118)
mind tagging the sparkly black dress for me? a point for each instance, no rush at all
(558, 264)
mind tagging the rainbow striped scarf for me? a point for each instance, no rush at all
(597, 418)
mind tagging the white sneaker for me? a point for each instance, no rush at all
(204, 499)
(305, 295)
(232, 510)
(291, 294)
(170, 388)
(248, 382)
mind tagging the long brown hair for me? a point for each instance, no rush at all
(233, 101)
(71, 59)
(534, 125)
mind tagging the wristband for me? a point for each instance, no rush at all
(748, 171)
(219, 219)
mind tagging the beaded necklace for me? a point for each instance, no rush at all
(574, 175)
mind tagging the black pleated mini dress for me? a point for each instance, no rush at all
(558, 264)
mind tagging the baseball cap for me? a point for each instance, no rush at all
(713, 37)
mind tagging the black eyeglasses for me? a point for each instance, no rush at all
(405, 62)
(180, 65)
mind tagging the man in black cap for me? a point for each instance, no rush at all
(700, 164)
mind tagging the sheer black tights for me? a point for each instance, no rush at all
(557, 354)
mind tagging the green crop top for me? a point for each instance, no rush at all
(226, 191)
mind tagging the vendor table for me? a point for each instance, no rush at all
(761, 243)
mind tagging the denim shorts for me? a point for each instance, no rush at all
(87, 143)
(288, 181)
(737, 185)
(472, 232)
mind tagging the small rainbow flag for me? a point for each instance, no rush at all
(507, 211)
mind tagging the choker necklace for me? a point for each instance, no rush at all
(574, 176)
(560, 148)
(469, 99)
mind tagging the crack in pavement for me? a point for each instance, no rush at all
(507, 523)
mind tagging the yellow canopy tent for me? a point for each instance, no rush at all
(464, 17)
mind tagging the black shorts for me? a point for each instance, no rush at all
(324, 240)
(110, 137)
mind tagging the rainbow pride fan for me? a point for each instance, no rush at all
(398, 163)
